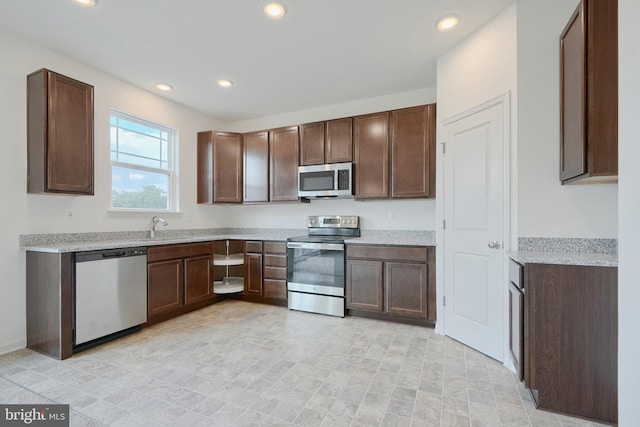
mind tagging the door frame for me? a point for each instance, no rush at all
(509, 210)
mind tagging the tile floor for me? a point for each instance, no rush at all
(242, 364)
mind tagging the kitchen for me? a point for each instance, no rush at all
(535, 187)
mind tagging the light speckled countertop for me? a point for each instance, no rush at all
(567, 258)
(569, 251)
(81, 242)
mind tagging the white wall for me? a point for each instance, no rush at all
(546, 208)
(629, 213)
(25, 214)
(479, 69)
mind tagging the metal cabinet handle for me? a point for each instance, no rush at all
(494, 244)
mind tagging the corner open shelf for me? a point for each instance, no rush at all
(228, 284)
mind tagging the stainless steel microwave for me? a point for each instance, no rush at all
(333, 180)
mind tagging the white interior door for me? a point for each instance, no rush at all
(474, 197)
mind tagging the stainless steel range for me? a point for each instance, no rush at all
(316, 264)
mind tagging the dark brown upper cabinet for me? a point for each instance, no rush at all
(283, 167)
(220, 159)
(312, 144)
(413, 133)
(256, 167)
(589, 94)
(371, 155)
(59, 134)
(326, 142)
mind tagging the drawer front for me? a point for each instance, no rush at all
(275, 260)
(275, 273)
(400, 253)
(274, 289)
(159, 253)
(275, 248)
(516, 274)
(254, 247)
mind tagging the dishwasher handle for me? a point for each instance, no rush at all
(109, 254)
(114, 254)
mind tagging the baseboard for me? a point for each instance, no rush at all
(12, 346)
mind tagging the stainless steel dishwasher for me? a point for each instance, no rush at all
(110, 294)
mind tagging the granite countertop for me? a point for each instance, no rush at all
(567, 258)
(568, 251)
(81, 242)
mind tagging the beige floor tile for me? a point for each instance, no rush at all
(242, 364)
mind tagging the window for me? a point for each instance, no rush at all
(142, 164)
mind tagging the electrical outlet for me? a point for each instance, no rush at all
(68, 214)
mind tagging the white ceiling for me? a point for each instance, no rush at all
(321, 53)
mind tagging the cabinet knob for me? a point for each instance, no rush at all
(494, 244)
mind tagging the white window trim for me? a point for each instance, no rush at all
(171, 172)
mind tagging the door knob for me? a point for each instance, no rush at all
(494, 244)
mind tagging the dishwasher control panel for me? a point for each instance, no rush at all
(109, 253)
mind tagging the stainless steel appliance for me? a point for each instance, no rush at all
(316, 265)
(110, 294)
(326, 181)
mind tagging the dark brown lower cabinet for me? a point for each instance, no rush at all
(571, 339)
(50, 278)
(266, 272)
(253, 268)
(179, 279)
(274, 285)
(391, 282)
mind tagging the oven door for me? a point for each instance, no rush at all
(316, 268)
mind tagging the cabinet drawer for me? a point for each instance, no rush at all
(275, 260)
(158, 253)
(254, 247)
(274, 289)
(400, 253)
(275, 273)
(275, 247)
(516, 274)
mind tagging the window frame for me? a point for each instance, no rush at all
(172, 163)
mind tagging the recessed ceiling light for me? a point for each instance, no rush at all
(447, 22)
(86, 2)
(166, 87)
(274, 10)
(225, 83)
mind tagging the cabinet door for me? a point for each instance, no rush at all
(197, 277)
(371, 155)
(312, 144)
(227, 167)
(165, 290)
(589, 93)
(339, 140)
(253, 274)
(204, 168)
(283, 172)
(60, 134)
(364, 284)
(413, 152)
(573, 141)
(256, 167)
(406, 289)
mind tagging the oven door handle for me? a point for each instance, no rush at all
(321, 246)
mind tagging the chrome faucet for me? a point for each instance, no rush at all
(154, 221)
